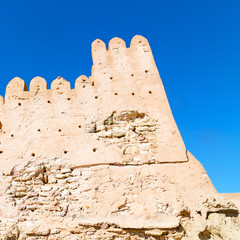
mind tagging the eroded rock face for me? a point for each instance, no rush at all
(104, 160)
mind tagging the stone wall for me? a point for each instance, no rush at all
(104, 160)
(46, 123)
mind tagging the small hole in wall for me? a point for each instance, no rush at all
(79, 126)
(111, 78)
(19, 104)
(68, 99)
(146, 71)
(94, 149)
(150, 92)
(12, 135)
(39, 130)
(96, 97)
(133, 93)
(199, 212)
(65, 152)
(132, 75)
(92, 83)
(1, 152)
(33, 154)
(59, 130)
(116, 93)
(83, 86)
(49, 101)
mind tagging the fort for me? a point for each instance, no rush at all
(104, 160)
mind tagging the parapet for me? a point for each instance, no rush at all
(125, 87)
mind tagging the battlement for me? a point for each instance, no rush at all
(66, 123)
(118, 67)
(17, 92)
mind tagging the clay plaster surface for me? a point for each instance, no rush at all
(104, 160)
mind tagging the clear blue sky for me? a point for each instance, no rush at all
(196, 45)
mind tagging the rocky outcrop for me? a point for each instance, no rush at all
(104, 160)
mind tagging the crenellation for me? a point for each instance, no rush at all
(117, 50)
(140, 43)
(99, 52)
(116, 45)
(38, 86)
(15, 88)
(60, 86)
(82, 82)
(84, 93)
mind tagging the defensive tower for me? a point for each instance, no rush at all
(104, 160)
